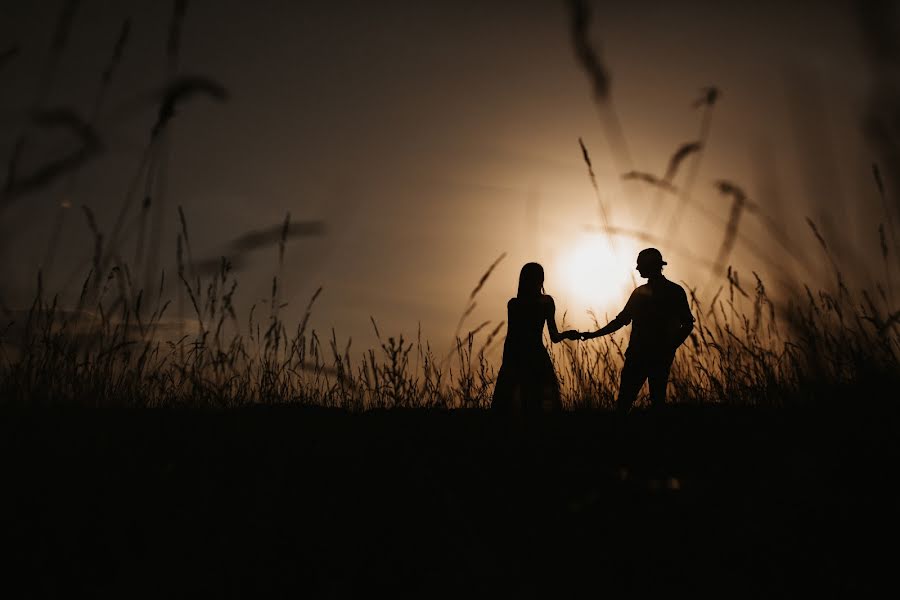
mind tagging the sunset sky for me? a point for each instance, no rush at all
(430, 137)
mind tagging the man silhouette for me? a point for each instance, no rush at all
(661, 321)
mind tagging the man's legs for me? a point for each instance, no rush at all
(634, 372)
(658, 375)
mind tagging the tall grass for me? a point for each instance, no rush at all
(121, 346)
(118, 351)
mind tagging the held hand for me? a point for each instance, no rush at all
(571, 334)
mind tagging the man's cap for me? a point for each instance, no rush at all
(651, 256)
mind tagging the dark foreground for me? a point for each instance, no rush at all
(731, 502)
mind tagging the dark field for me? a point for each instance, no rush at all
(163, 434)
(736, 502)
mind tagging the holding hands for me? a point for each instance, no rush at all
(573, 335)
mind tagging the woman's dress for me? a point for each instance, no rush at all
(527, 380)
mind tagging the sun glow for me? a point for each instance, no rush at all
(597, 275)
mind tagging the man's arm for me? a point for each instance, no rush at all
(621, 320)
(616, 324)
(686, 322)
(684, 332)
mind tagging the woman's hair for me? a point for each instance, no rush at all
(531, 280)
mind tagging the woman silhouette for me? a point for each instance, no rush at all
(527, 381)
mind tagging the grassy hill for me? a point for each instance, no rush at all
(739, 502)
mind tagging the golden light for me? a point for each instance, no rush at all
(596, 274)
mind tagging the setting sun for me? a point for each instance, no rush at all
(596, 274)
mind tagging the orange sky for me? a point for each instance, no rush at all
(432, 137)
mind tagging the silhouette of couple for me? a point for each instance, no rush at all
(660, 318)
